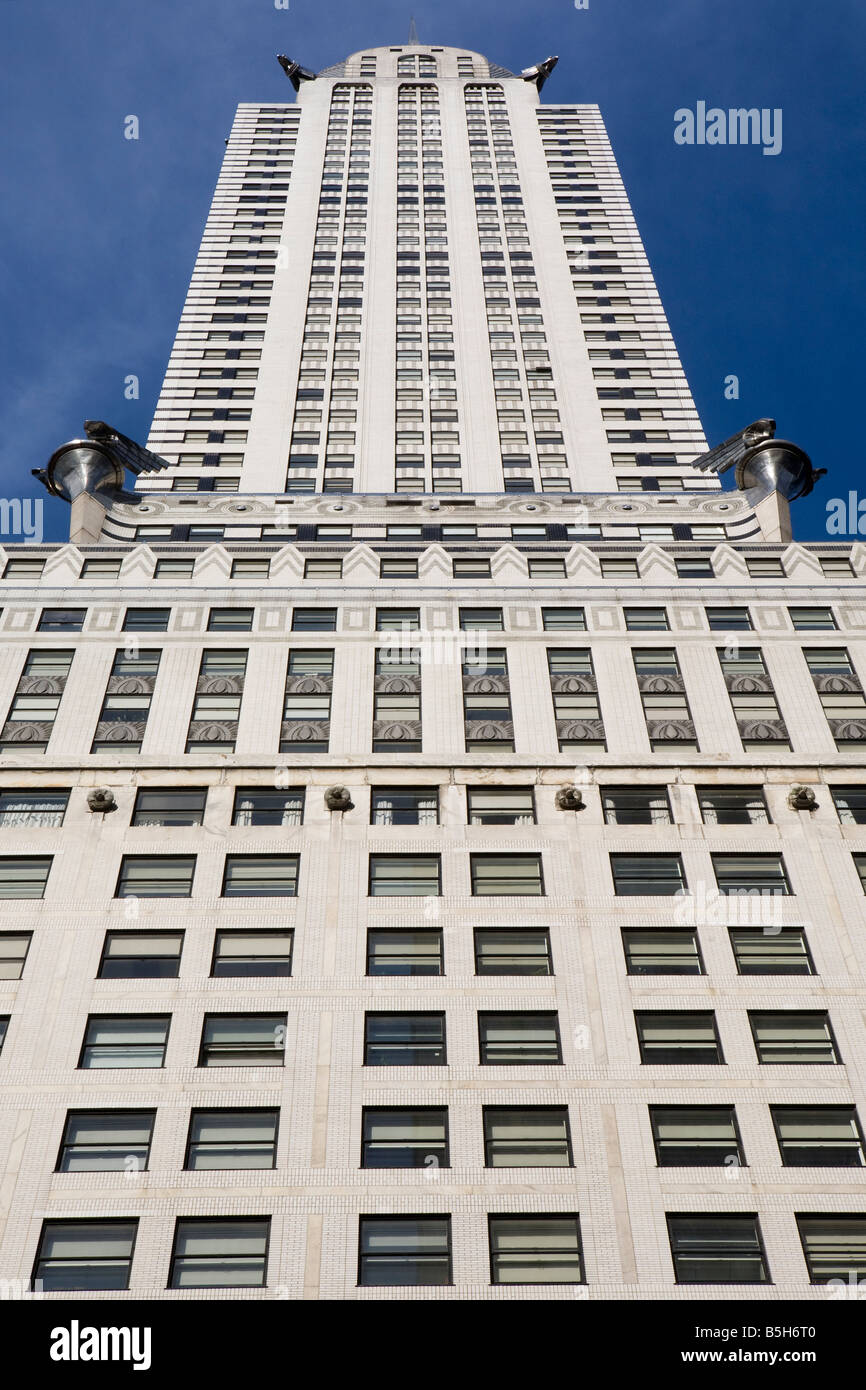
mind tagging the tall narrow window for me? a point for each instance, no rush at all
(213, 725)
(36, 701)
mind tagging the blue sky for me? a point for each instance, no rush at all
(759, 260)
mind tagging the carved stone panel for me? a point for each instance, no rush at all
(397, 730)
(753, 683)
(756, 730)
(580, 730)
(33, 731)
(220, 685)
(305, 730)
(210, 731)
(573, 685)
(120, 731)
(670, 729)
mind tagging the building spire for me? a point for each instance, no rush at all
(413, 32)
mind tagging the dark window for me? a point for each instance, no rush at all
(261, 876)
(751, 873)
(812, 619)
(658, 951)
(124, 1040)
(146, 619)
(733, 806)
(563, 619)
(834, 1248)
(517, 1136)
(819, 1136)
(13, 953)
(129, 955)
(636, 805)
(314, 620)
(771, 951)
(238, 954)
(729, 619)
(230, 620)
(646, 619)
(485, 619)
(397, 619)
(404, 1040)
(243, 1040)
(399, 1251)
(170, 806)
(535, 1249)
(220, 1253)
(717, 1249)
(62, 619)
(404, 875)
(106, 1141)
(155, 876)
(519, 1039)
(678, 1038)
(696, 1136)
(32, 808)
(404, 952)
(694, 567)
(405, 1137)
(232, 1139)
(85, 1255)
(404, 806)
(647, 875)
(512, 951)
(501, 805)
(257, 806)
(850, 803)
(506, 875)
(794, 1039)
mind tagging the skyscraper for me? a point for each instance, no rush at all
(430, 789)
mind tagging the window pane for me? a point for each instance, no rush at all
(402, 1251)
(233, 1040)
(24, 876)
(733, 806)
(795, 1038)
(32, 807)
(404, 806)
(515, 1039)
(513, 875)
(404, 1138)
(650, 875)
(220, 1254)
(261, 876)
(850, 803)
(141, 955)
(819, 1136)
(232, 1139)
(678, 1038)
(512, 952)
(254, 806)
(106, 1141)
(157, 876)
(404, 875)
(13, 953)
(404, 953)
(84, 1255)
(659, 952)
(169, 806)
(750, 873)
(405, 1040)
(768, 951)
(834, 1247)
(636, 805)
(249, 953)
(695, 1136)
(532, 1137)
(717, 1250)
(535, 1250)
(124, 1041)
